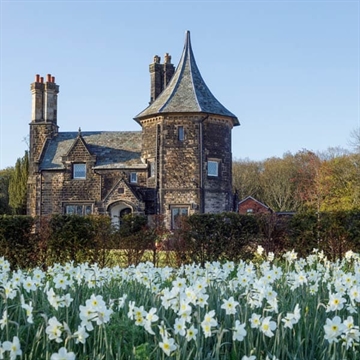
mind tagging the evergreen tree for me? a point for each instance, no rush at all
(18, 185)
(5, 175)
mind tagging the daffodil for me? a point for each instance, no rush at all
(63, 354)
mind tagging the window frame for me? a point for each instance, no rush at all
(75, 170)
(213, 174)
(85, 209)
(180, 208)
(133, 177)
(181, 133)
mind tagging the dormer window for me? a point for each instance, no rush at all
(79, 171)
(133, 177)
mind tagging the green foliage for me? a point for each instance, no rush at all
(200, 238)
(212, 237)
(16, 240)
(72, 238)
(5, 176)
(134, 237)
(303, 232)
(18, 185)
(332, 232)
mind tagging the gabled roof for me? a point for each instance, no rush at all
(124, 184)
(76, 142)
(253, 199)
(113, 149)
(187, 91)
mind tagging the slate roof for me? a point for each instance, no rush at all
(113, 149)
(186, 91)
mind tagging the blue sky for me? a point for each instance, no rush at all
(289, 70)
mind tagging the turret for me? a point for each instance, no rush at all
(187, 140)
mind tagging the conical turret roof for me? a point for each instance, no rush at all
(187, 91)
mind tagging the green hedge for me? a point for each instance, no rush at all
(200, 237)
(17, 243)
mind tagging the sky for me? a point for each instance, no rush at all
(289, 70)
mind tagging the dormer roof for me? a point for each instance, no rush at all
(186, 92)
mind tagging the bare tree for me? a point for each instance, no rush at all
(246, 178)
(354, 141)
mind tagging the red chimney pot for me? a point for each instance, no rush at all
(37, 78)
(53, 79)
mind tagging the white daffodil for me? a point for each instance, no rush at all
(229, 306)
(239, 331)
(13, 347)
(54, 329)
(179, 326)
(29, 314)
(336, 302)
(191, 333)
(4, 320)
(255, 321)
(63, 354)
(267, 326)
(333, 329)
(208, 323)
(80, 335)
(29, 284)
(168, 345)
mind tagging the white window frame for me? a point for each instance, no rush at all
(213, 168)
(79, 168)
(133, 177)
(181, 133)
(178, 211)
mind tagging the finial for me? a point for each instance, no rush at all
(79, 132)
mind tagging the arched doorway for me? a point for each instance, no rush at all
(118, 211)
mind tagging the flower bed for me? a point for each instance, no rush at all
(284, 308)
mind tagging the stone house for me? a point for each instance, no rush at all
(179, 163)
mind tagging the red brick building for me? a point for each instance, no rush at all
(250, 205)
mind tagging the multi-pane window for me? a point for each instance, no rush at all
(176, 214)
(181, 134)
(78, 209)
(79, 171)
(133, 177)
(213, 168)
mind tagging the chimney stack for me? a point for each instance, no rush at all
(160, 75)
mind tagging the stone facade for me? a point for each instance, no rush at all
(178, 164)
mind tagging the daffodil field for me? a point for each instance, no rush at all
(270, 308)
